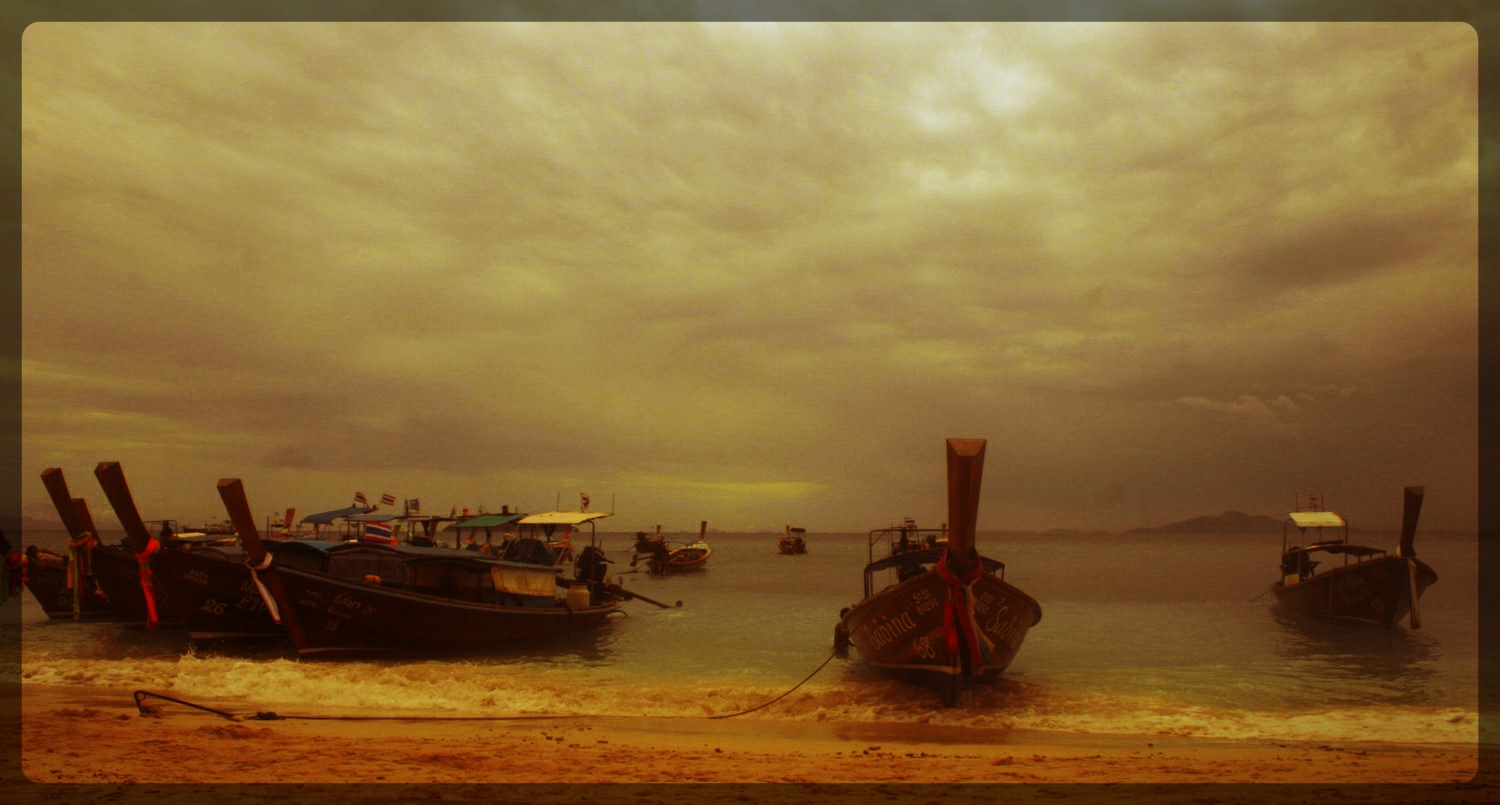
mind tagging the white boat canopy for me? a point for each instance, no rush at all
(1316, 520)
(560, 518)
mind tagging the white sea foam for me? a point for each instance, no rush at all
(476, 689)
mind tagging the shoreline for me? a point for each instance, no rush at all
(78, 734)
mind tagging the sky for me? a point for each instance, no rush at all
(754, 274)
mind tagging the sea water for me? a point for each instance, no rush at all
(1141, 634)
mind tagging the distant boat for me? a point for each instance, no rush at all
(794, 542)
(1375, 588)
(948, 616)
(417, 601)
(663, 560)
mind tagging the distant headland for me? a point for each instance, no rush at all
(1230, 522)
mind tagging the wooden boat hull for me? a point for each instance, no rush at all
(680, 560)
(1376, 591)
(215, 597)
(119, 575)
(900, 629)
(48, 581)
(326, 616)
(792, 545)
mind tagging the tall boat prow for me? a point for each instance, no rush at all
(965, 474)
(950, 615)
(127, 576)
(1375, 588)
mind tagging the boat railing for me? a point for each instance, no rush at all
(907, 539)
(911, 559)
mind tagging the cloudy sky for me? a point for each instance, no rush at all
(755, 273)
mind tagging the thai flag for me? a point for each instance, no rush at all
(388, 499)
(416, 506)
(583, 501)
(359, 499)
(379, 532)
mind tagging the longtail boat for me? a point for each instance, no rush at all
(65, 585)
(950, 615)
(646, 543)
(663, 560)
(415, 601)
(1376, 587)
(794, 542)
(125, 572)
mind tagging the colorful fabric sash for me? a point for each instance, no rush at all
(958, 613)
(148, 588)
(80, 551)
(265, 595)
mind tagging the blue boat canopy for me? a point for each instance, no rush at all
(322, 518)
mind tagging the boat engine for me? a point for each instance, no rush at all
(590, 566)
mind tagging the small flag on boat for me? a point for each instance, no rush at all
(416, 506)
(289, 514)
(583, 501)
(388, 499)
(359, 499)
(379, 532)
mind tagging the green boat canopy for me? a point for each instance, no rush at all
(488, 521)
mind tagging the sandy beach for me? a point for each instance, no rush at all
(76, 736)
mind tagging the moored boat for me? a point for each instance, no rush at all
(950, 615)
(664, 560)
(64, 585)
(1376, 587)
(416, 601)
(646, 543)
(125, 572)
(794, 542)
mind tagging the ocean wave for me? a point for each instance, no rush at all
(480, 689)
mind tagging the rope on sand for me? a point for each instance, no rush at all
(146, 710)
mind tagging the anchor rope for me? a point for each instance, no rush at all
(145, 710)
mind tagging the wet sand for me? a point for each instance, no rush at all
(76, 735)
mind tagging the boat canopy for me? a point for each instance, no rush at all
(327, 517)
(488, 520)
(373, 518)
(1339, 547)
(1316, 520)
(562, 518)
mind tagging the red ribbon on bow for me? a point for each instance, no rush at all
(143, 559)
(958, 612)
